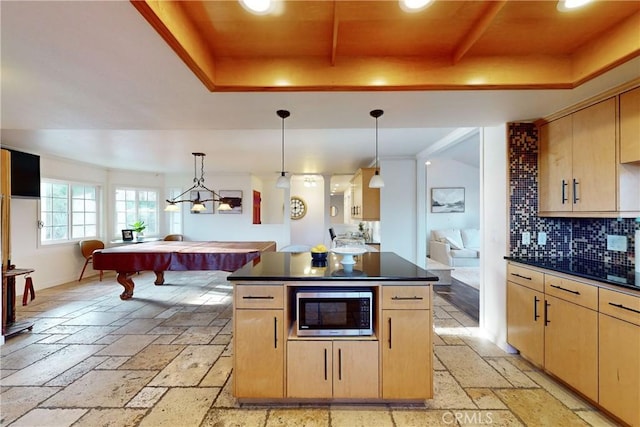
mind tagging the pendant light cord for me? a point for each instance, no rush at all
(282, 170)
(376, 145)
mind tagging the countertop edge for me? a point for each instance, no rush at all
(609, 284)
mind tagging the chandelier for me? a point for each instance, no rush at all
(197, 203)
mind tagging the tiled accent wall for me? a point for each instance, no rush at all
(580, 237)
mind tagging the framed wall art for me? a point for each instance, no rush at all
(234, 198)
(447, 199)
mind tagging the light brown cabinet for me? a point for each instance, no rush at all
(571, 345)
(332, 369)
(407, 354)
(590, 339)
(577, 161)
(554, 166)
(619, 355)
(525, 308)
(580, 169)
(630, 126)
(555, 327)
(259, 342)
(365, 201)
(525, 324)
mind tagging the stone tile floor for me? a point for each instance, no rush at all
(164, 359)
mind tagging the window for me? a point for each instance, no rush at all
(68, 211)
(133, 205)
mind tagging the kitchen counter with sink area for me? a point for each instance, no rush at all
(332, 331)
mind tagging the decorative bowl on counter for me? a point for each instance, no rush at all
(348, 248)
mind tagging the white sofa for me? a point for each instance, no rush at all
(455, 247)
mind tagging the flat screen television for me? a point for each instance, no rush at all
(25, 175)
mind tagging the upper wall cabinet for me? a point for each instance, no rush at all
(365, 201)
(630, 126)
(580, 174)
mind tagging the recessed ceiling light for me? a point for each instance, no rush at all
(428, 162)
(414, 5)
(256, 6)
(568, 5)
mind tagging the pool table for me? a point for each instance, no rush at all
(175, 256)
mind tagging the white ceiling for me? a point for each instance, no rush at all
(92, 81)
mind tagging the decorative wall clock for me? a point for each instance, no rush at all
(298, 208)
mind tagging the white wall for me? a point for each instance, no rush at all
(232, 226)
(398, 207)
(494, 234)
(272, 205)
(450, 173)
(310, 229)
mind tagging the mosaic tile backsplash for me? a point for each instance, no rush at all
(576, 237)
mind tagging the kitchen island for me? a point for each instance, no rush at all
(274, 363)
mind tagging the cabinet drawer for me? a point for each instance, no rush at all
(405, 297)
(525, 277)
(619, 305)
(572, 291)
(261, 296)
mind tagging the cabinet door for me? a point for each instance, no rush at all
(259, 353)
(356, 195)
(571, 345)
(370, 197)
(594, 182)
(355, 369)
(554, 166)
(309, 369)
(619, 372)
(406, 354)
(630, 126)
(525, 321)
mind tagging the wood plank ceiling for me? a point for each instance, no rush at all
(375, 45)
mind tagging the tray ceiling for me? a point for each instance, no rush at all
(375, 45)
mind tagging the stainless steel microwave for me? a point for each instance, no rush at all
(334, 312)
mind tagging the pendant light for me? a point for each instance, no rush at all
(376, 180)
(283, 181)
(197, 204)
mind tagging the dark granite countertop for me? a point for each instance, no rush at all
(589, 269)
(371, 266)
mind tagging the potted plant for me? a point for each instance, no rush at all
(138, 226)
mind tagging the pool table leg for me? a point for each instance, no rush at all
(159, 278)
(126, 281)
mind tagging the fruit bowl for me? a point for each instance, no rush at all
(319, 256)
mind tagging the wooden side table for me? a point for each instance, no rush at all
(9, 325)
